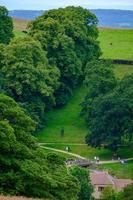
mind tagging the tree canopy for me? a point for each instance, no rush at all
(6, 26)
(109, 117)
(86, 188)
(69, 35)
(24, 168)
(29, 78)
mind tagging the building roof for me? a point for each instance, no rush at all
(121, 183)
(103, 178)
(100, 178)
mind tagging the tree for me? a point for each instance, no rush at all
(99, 79)
(6, 26)
(110, 117)
(29, 78)
(109, 194)
(127, 193)
(69, 36)
(85, 186)
(25, 169)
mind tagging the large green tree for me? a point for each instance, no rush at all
(24, 168)
(99, 80)
(6, 26)
(29, 78)
(110, 117)
(69, 36)
(86, 188)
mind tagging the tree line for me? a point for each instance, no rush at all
(108, 107)
(37, 73)
(41, 70)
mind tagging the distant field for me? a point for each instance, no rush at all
(116, 44)
(20, 25)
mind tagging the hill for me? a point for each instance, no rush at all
(107, 18)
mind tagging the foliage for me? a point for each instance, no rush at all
(99, 79)
(29, 79)
(109, 194)
(127, 193)
(110, 116)
(24, 168)
(85, 186)
(69, 36)
(122, 70)
(6, 26)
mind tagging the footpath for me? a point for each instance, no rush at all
(78, 156)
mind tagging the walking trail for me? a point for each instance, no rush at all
(78, 156)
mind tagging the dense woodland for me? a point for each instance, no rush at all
(40, 72)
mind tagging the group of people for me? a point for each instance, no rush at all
(96, 159)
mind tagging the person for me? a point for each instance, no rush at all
(67, 149)
(98, 159)
(95, 158)
(62, 132)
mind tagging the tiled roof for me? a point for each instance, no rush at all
(103, 178)
(100, 178)
(121, 183)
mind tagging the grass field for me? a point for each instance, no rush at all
(122, 43)
(20, 25)
(18, 33)
(68, 118)
(119, 170)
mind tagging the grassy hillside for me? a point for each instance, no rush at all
(74, 126)
(67, 118)
(116, 44)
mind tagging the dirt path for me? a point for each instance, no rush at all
(72, 144)
(65, 152)
(113, 161)
(81, 157)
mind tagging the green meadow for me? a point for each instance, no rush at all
(116, 44)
